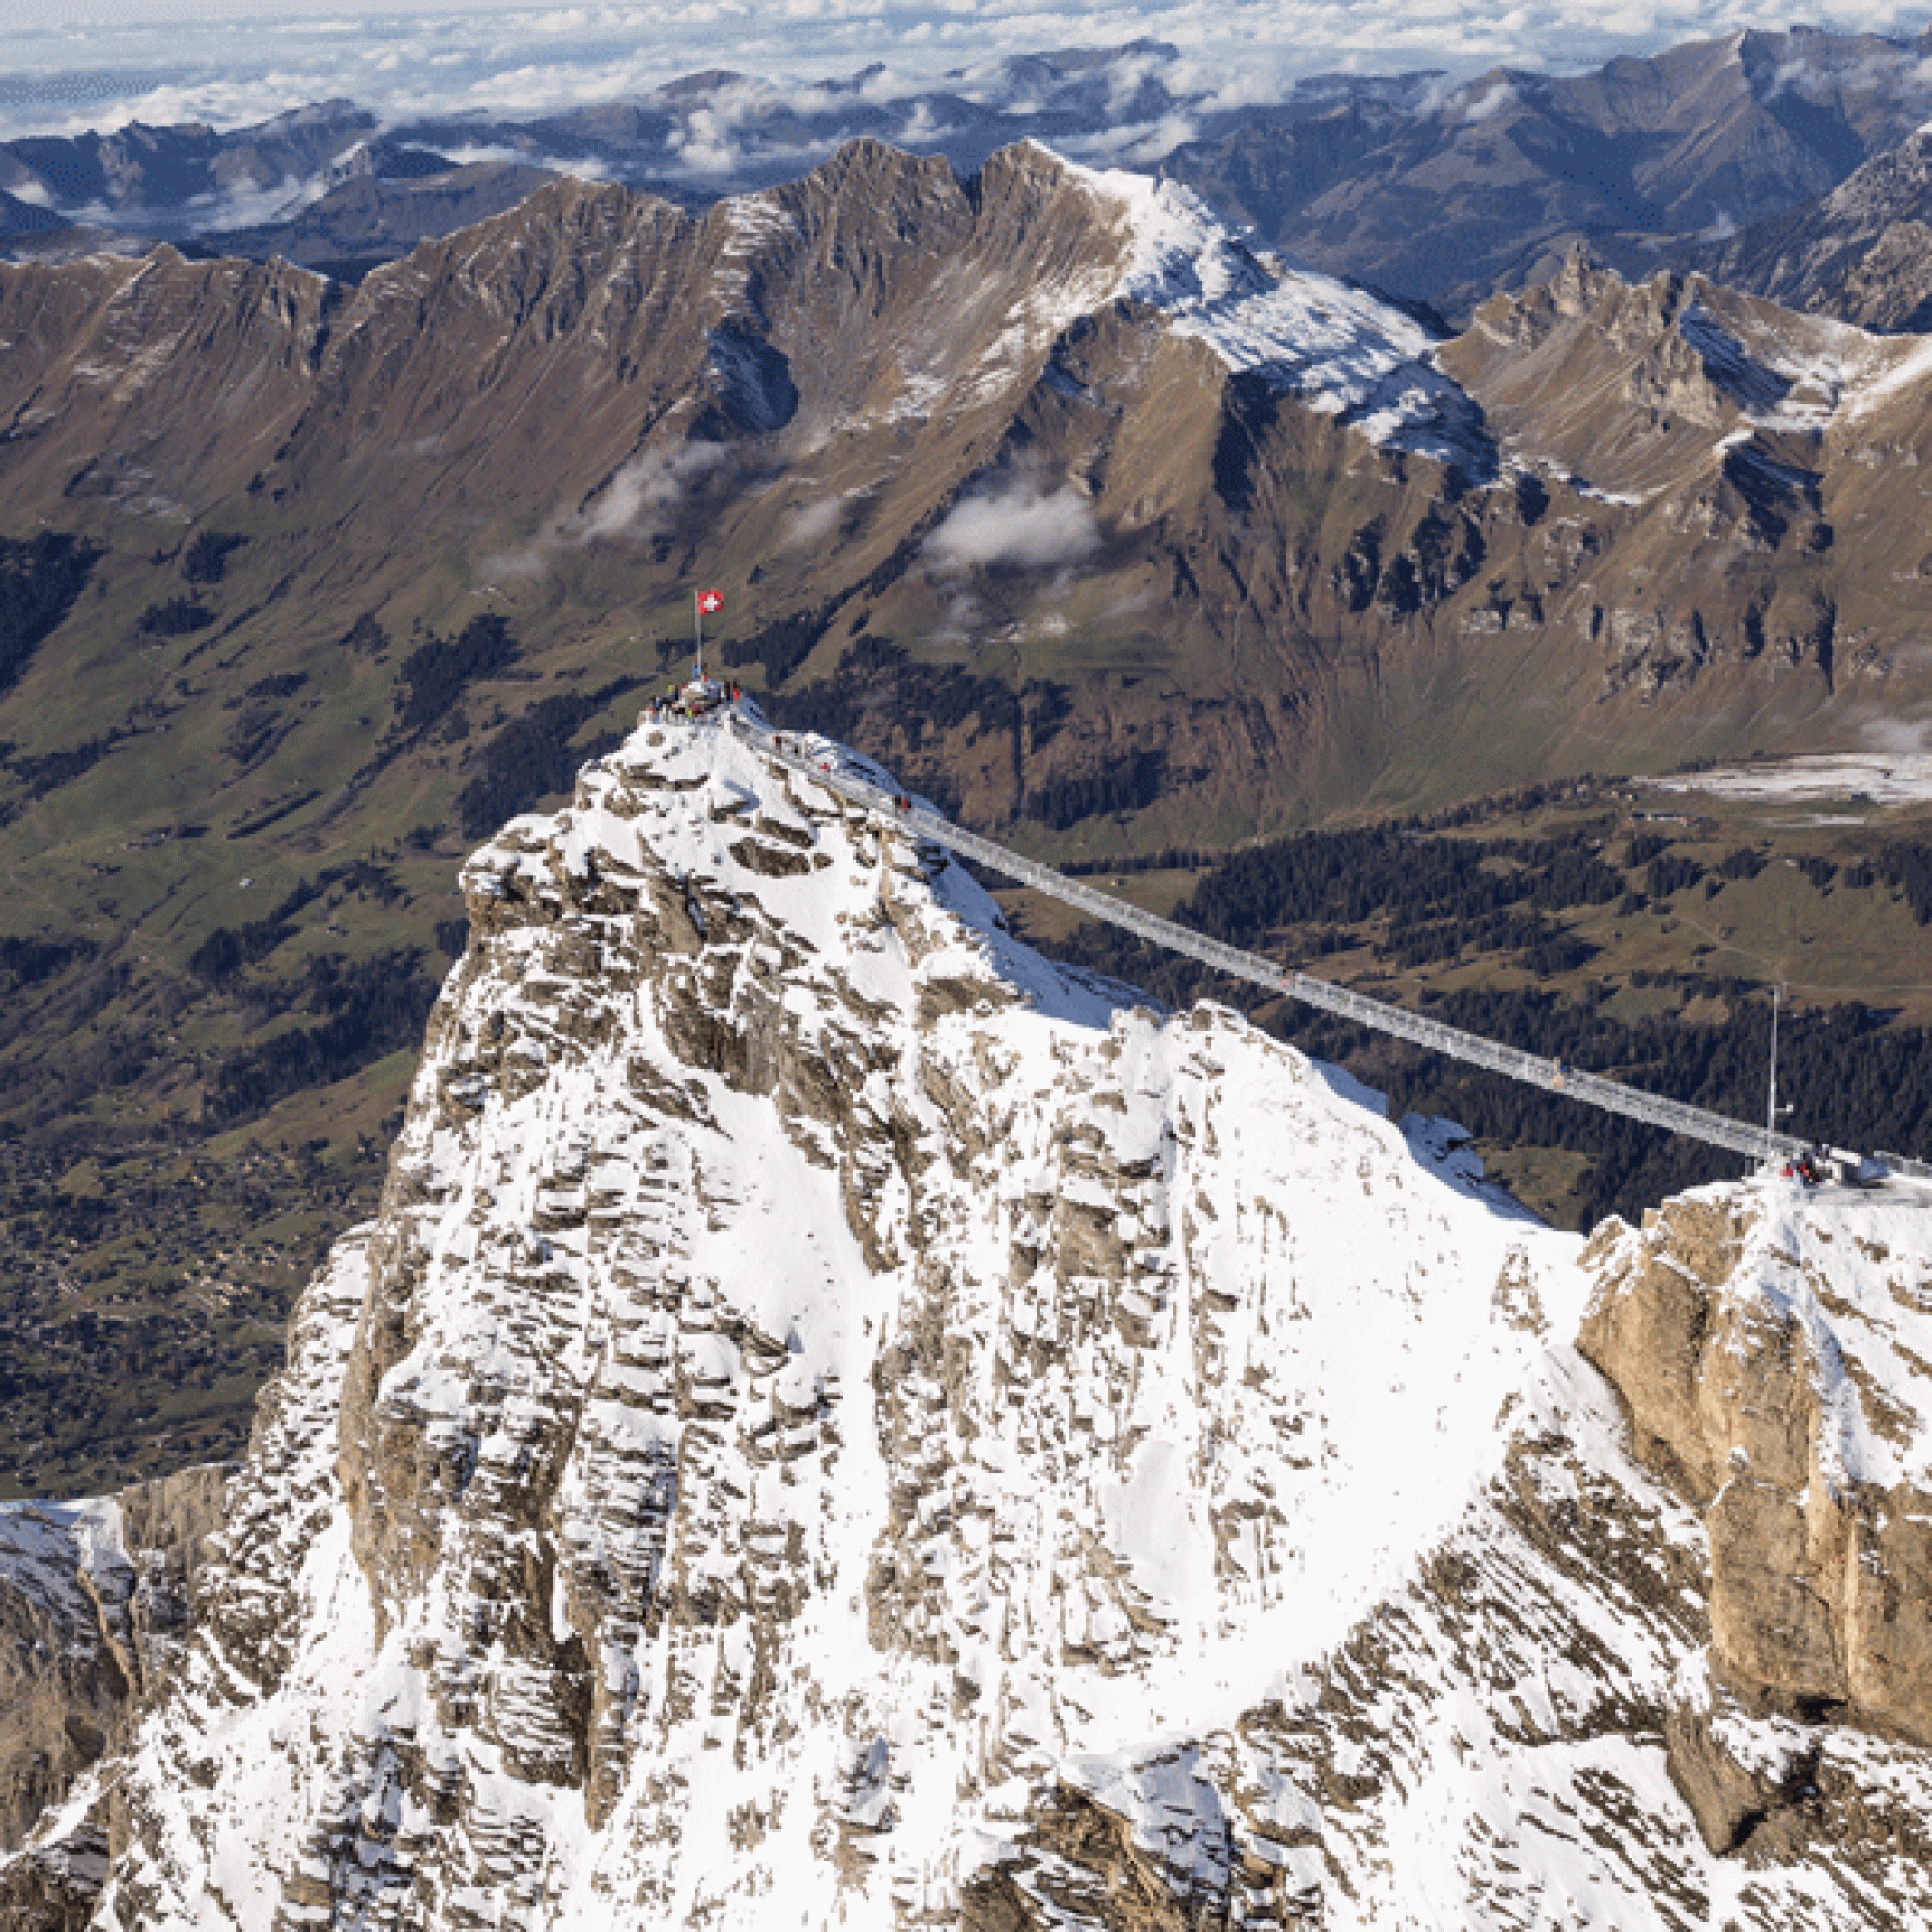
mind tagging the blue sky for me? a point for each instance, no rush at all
(71, 63)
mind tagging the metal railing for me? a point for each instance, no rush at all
(1594, 1089)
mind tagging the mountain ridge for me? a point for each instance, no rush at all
(1487, 190)
(1365, 175)
(729, 373)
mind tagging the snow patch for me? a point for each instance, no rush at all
(1339, 348)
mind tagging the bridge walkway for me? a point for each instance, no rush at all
(1593, 1090)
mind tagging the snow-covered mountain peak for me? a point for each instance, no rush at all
(816, 1359)
(842, 1421)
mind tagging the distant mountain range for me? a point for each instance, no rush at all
(1434, 193)
(1200, 506)
(1862, 252)
(1447, 196)
(1041, 484)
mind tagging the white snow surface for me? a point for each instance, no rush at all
(1341, 350)
(992, 1388)
(1883, 777)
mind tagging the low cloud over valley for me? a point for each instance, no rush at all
(1017, 524)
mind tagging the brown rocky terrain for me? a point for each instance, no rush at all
(1732, 432)
(1819, 1601)
(1242, 606)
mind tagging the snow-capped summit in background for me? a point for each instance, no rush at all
(840, 1421)
(1341, 349)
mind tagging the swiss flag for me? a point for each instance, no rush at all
(710, 600)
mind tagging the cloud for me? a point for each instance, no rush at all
(1144, 141)
(67, 66)
(709, 140)
(923, 128)
(634, 503)
(1897, 735)
(246, 204)
(481, 154)
(882, 85)
(646, 486)
(1209, 87)
(1017, 524)
(1126, 77)
(1486, 105)
(1851, 73)
(812, 524)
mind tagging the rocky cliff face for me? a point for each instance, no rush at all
(97, 1601)
(1726, 429)
(1774, 1369)
(839, 1419)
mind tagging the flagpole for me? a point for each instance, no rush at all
(697, 628)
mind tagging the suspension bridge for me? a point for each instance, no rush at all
(1593, 1090)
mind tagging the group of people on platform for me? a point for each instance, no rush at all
(702, 696)
(694, 699)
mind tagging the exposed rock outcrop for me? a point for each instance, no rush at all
(1775, 1371)
(96, 1599)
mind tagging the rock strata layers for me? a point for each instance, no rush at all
(1773, 1372)
(95, 1602)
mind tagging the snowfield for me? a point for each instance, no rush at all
(1882, 778)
